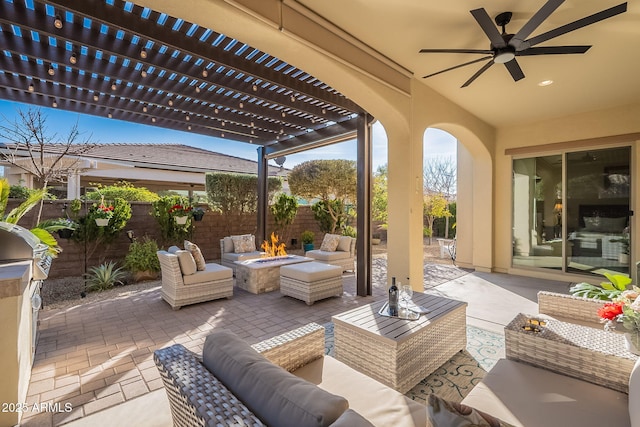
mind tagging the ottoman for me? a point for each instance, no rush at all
(311, 281)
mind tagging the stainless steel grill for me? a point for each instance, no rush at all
(19, 244)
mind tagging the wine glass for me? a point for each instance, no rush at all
(406, 293)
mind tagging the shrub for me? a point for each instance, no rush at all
(104, 277)
(19, 192)
(170, 231)
(307, 237)
(142, 256)
(123, 190)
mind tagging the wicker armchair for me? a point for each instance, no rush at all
(214, 282)
(344, 259)
(198, 398)
(569, 307)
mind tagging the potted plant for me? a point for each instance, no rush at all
(102, 214)
(180, 213)
(375, 239)
(142, 260)
(307, 240)
(197, 214)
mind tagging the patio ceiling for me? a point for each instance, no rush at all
(115, 59)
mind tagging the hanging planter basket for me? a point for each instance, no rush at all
(181, 220)
(102, 222)
(65, 233)
(197, 216)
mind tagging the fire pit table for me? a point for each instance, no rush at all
(263, 274)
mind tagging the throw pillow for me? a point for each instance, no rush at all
(330, 242)
(442, 413)
(274, 395)
(201, 265)
(227, 244)
(187, 263)
(344, 244)
(173, 249)
(243, 244)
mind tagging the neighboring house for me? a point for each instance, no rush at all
(157, 167)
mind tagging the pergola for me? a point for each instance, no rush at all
(114, 59)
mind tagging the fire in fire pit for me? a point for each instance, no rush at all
(273, 249)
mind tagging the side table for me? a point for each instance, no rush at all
(582, 352)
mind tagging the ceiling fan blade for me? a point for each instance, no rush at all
(553, 50)
(459, 66)
(535, 21)
(592, 19)
(488, 27)
(514, 70)
(484, 68)
(481, 51)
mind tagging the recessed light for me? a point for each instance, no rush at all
(545, 83)
(57, 22)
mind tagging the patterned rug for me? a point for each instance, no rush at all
(457, 377)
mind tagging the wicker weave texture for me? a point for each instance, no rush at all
(569, 306)
(401, 365)
(311, 292)
(295, 348)
(589, 354)
(177, 294)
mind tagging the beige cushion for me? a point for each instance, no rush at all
(310, 271)
(527, 396)
(243, 244)
(351, 418)
(213, 272)
(443, 413)
(232, 256)
(187, 263)
(327, 256)
(197, 254)
(330, 242)
(379, 404)
(227, 244)
(344, 244)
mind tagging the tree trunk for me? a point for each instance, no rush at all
(44, 187)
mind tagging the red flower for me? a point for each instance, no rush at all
(610, 310)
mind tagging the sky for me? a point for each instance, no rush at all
(104, 130)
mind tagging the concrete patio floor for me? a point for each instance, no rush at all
(97, 357)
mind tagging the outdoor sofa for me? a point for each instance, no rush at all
(336, 250)
(183, 283)
(238, 248)
(233, 384)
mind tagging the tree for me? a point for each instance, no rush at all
(439, 176)
(232, 194)
(48, 157)
(435, 206)
(284, 211)
(380, 197)
(326, 180)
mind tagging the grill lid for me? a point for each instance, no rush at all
(18, 244)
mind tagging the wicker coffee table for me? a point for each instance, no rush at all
(589, 354)
(263, 275)
(399, 353)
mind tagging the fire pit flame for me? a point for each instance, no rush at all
(274, 248)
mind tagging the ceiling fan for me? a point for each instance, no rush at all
(505, 47)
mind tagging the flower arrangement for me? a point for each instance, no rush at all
(625, 309)
(179, 210)
(103, 211)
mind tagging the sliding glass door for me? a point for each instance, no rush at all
(571, 211)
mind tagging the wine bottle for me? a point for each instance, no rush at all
(393, 298)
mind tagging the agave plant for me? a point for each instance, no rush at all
(104, 276)
(606, 291)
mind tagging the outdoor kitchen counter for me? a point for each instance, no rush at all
(14, 277)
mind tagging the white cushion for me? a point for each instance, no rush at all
(211, 273)
(344, 244)
(187, 263)
(310, 271)
(232, 256)
(330, 242)
(227, 244)
(328, 256)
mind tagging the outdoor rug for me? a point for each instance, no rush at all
(457, 377)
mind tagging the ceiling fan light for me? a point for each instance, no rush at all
(57, 22)
(504, 57)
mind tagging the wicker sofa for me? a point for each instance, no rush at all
(569, 308)
(179, 289)
(197, 397)
(229, 255)
(343, 256)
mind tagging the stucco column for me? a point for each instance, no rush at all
(404, 238)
